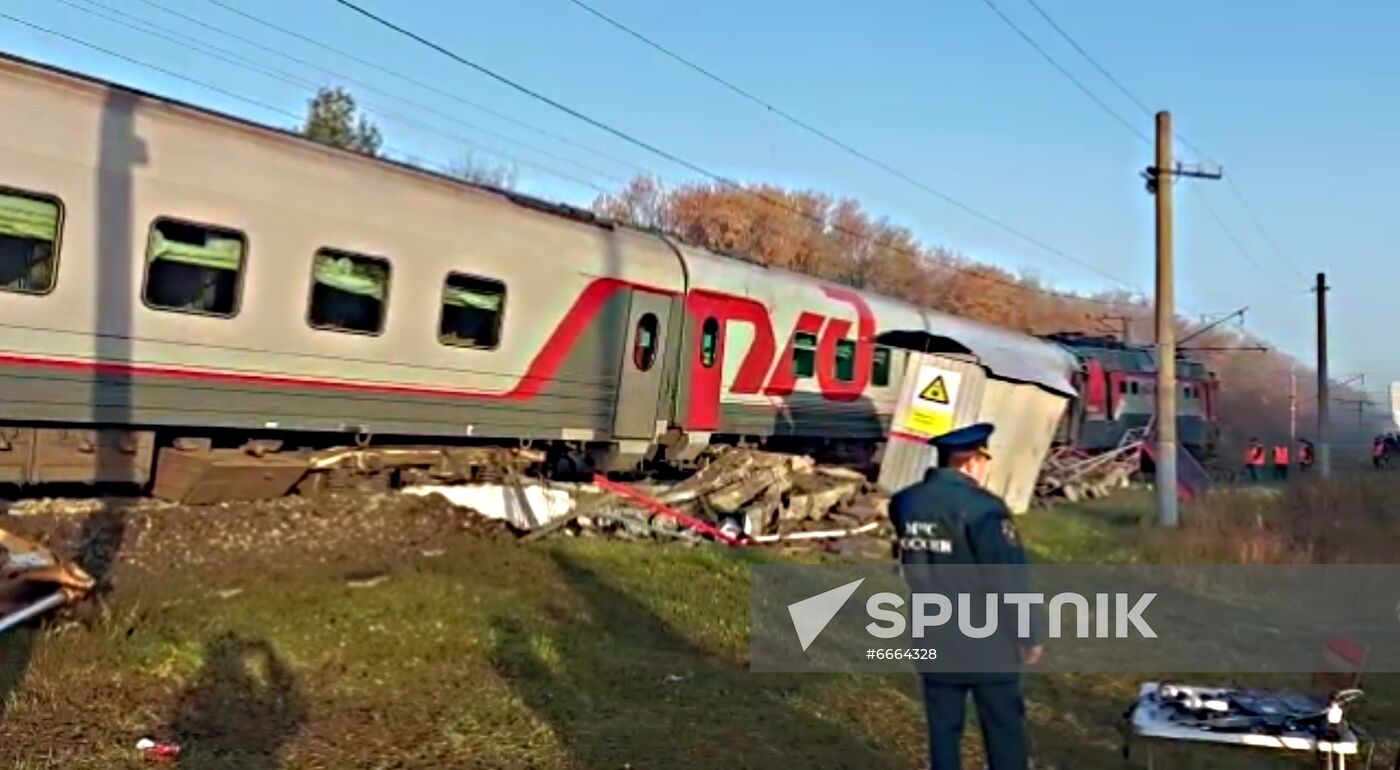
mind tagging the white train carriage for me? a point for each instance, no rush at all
(162, 266)
(169, 272)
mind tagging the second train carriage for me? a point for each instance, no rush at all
(168, 272)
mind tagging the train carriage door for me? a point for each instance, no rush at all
(642, 366)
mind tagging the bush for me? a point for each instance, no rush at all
(1346, 520)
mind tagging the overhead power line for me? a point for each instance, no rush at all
(833, 140)
(405, 79)
(162, 70)
(1128, 124)
(1201, 154)
(1102, 70)
(680, 161)
(230, 57)
(271, 108)
(1142, 105)
(1268, 238)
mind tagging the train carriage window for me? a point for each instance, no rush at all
(349, 292)
(880, 367)
(1122, 386)
(193, 268)
(645, 343)
(29, 234)
(1134, 388)
(709, 342)
(804, 354)
(846, 360)
(472, 309)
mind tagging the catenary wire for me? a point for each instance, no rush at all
(233, 58)
(411, 81)
(690, 165)
(826, 136)
(1201, 155)
(1068, 75)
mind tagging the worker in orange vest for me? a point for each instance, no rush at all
(1378, 452)
(1281, 462)
(1254, 460)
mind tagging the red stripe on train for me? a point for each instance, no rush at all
(542, 369)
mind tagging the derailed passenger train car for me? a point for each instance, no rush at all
(172, 276)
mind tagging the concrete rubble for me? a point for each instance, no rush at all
(739, 496)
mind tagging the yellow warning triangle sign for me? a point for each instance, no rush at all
(936, 391)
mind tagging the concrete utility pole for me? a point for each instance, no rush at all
(1324, 452)
(1159, 182)
(1292, 405)
(1166, 331)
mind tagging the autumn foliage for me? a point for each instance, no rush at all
(838, 240)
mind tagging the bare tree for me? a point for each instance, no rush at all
(477, 170)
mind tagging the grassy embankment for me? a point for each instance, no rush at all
(440, 648)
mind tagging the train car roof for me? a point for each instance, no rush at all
(564, 210)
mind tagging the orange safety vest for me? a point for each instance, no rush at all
(1254, 455)
(1280, 455)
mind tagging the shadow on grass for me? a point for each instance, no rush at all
(619, 687)
(241, 711)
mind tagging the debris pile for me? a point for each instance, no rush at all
(765, 494)
(1073, 474)
(739, 496)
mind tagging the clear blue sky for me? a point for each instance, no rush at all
(1299, 101)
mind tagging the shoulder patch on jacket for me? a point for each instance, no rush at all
(1008, 531)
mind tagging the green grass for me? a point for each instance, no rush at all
(572, 653)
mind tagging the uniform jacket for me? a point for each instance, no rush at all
(948, 519)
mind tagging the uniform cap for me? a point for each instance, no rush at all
(966, 439)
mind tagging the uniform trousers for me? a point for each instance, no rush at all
(1000, 710)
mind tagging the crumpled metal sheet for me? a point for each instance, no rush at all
(34, 580)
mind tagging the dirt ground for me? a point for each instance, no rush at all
(134, 539)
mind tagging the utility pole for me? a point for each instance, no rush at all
(1324, 452)
(1159, 182)
(1292, 405)
(1166, 331)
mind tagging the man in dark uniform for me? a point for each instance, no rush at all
(1307, 455)
(951, 519)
